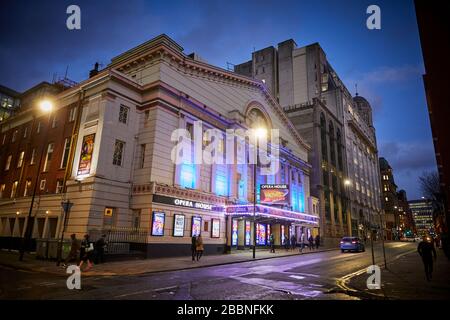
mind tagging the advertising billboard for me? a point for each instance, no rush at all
(274, 194)
(87, 148)
(215, 229)
(247, 233)
(261, 234)
(196, 226)
(158, 223)
(234, 233)
(178, 225)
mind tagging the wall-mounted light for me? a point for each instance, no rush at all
(18, 212)
(47, 212)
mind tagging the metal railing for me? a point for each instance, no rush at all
(121, 240)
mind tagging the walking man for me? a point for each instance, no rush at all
(293, 242)
(194, 247)
(311, 242)
(272, 243)
(74, 251)
(317, 241)
(427, 252)
(100, 246)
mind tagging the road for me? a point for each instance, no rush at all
(310, 276)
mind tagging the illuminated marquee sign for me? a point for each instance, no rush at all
(186, 203)
(275, 193)
(274, 212)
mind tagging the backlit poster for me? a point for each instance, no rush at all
(215, 229)
(268, 234)
(158, 223)
(87, 148)
(234, 233)
(261, 234)
(178, 225)
(282, 234)
(196, 226)
(247, 233)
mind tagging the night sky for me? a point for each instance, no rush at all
(386, 64)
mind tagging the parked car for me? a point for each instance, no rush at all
(408, 239)
(352, 244)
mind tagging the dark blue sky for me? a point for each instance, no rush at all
(387, 64)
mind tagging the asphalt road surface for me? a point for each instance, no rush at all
(310, 276)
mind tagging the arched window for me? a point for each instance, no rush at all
(323, 137)
(332, 148)
(339, 149)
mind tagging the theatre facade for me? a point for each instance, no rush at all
(126, 171)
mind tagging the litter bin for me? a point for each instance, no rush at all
(41, 249)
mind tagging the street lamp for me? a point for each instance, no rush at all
(45, 106)
(259, 133)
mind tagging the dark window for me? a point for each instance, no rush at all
(323, 137)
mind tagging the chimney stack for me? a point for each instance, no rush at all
(94, 71)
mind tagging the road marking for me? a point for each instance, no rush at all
(23, 288)
(47, 284)
(145, 291)
(297, 277)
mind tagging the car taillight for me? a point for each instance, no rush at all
(342, 241)
(353, 242)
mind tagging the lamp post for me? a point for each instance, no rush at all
(259, 132)
(46, 106)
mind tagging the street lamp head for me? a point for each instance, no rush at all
(347, 182)
(46, 105)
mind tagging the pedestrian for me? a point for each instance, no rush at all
(427, 252)
(302, 242)
(199, 247)
(293, 242)
(194, 247)
(311, 242)
(286, 244)
(74, 250)
(272, 243)
(317, 241)
(100, 246)
(87, 248)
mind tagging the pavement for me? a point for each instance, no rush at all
(311, 276)
(143, 266)
(404, 278)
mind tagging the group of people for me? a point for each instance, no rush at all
(313, 243)
(86, 252)
(197, 247)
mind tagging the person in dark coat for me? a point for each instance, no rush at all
(100, 246)
(317, 242)
(199, 248)
(427, 252)
(194, 247)
(272, 243)
(293, 242)
(311, 242)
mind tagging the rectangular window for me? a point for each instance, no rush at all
(54, 122)
(48, 158)
(14, 189)
(20, 161)
(119, 146)
(147, 115)
(72, 114)
(190, 129)
(65, 155)
(25, 132)
(33, 156)
(59, 186)
(27, 188)
(142, 156)
(123, 114)
(14, 136)
(2, 190)
(8, 162)
(42, 184)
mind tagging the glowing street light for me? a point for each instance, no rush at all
(347, 182)
(46, 105)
